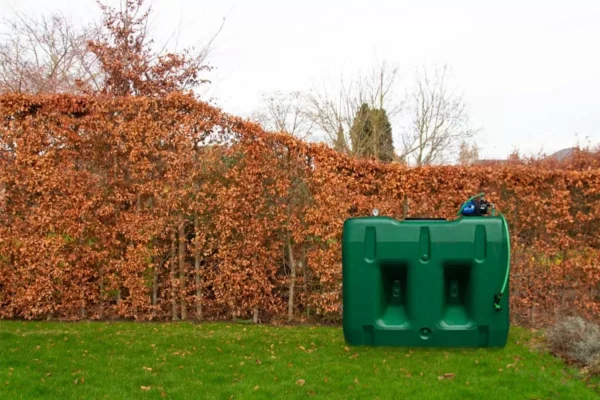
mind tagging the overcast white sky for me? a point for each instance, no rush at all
(530, 72)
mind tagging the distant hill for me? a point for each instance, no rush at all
(562, 155)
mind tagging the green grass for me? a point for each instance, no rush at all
(222, 361)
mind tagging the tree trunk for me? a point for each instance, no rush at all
(173, 278)
(197, 277)
(305, 277)
(255, 316)
(182, 292)
(101, 284)
(155, 269)
(420, 157)
(2, 198)
(292, 279)
(154, 287)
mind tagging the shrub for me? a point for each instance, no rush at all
(578, 341)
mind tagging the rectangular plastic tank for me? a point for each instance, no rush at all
(424, 282)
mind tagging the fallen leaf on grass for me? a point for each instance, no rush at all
(147, 369)
(145, 388)
(258, 362)
(356, 381)
(354, 355)
(256, 387)
(300, 382)
(447, 376)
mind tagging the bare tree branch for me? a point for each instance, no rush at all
(333, 108)
(438, 119)
(285, 112)
(50, 54)
(468, 155)
(43, 55)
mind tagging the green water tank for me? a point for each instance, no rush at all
(425, 282)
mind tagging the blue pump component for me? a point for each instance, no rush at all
(474, 207)
(469, 209)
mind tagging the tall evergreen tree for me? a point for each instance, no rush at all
(361, 133)
(382, 136)
(371, 134)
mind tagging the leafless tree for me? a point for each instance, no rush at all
(50, 54)
(437, 119)
(285, 112)
(45, 55)
(468, 155)
(333, 108)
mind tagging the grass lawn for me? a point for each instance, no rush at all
(96, 360)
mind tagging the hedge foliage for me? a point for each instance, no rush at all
(169, 208)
